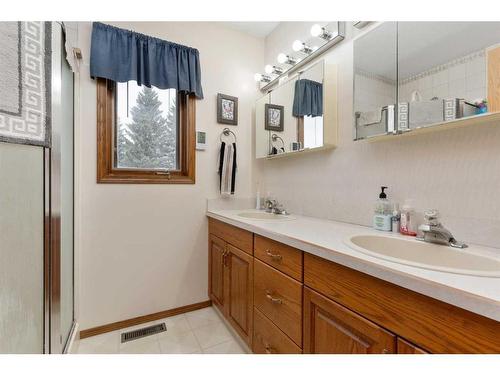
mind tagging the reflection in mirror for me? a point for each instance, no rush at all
(308, 107)
(262, 137)
(290, 117)
(375, 78)
(280, 119)
(443, 71)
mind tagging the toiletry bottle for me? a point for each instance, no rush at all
(407, 225)
(382, 213)
(257, 201)
(396, 218)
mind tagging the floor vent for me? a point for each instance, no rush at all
(143, 332)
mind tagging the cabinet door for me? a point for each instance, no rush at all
(239, 288)
(404, 347)
(330, 328)
(217, 251)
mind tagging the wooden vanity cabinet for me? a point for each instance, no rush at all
(282, 300)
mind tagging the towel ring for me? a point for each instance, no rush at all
(226, 132)
(275, 137)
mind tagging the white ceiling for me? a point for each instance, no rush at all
(257, 29)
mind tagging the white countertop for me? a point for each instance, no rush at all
(325, 238)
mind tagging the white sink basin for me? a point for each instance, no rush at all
(426, 255)
(260, 215)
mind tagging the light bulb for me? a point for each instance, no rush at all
(269, 69)
(282, 58)
(316, 30)
(257, 77)
(297, 45)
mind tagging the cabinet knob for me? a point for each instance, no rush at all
(275, 257)
(277, 301)
(269, 349)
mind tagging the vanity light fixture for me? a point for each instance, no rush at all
(286, 59)
(261, 77)
(273, 69)
(298, 46)
(320, 32)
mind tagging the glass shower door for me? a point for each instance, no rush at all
(21, 249)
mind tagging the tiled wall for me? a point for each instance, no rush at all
(464, 78)
(373, 92)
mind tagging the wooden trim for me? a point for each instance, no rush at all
(493, 59)
(107, 173)
(142, 319)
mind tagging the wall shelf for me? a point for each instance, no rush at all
(478, 120)
(300, 152)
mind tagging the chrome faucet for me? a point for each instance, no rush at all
(433, 231)
(272, 206)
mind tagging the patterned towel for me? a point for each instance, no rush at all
(227, 168)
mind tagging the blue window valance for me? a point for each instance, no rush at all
(308, 98)
(122, 55)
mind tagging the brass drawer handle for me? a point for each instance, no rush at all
(277, 301)
(275, 257)
(269, 349)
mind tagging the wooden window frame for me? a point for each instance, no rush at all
(107, 173)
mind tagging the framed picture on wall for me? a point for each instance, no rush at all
(227, 109)
(274, 117)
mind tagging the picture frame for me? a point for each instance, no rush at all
(227, 109)
(274, 117)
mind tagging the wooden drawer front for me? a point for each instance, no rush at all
(282, 257)
(404, 347)
(235, 236)
(434, 326)
(332, 329)
(279, 298)
(268, 339)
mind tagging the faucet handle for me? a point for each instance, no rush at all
(431, 216)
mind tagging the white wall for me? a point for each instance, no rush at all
(455, 171)
(143, 248)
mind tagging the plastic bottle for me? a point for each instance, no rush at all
(382, 212)
(396, 218)
(408, 219)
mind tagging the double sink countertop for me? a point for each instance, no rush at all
(326, 239)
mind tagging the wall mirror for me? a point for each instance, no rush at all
(291, 117)
(437, 72)
(375, 81)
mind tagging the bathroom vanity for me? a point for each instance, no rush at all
(294, 287)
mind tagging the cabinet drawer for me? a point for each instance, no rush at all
(404, 347)
(240, 238)
(282, 257)
(279, 298)
(268, 339)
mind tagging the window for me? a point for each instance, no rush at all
(145, 135)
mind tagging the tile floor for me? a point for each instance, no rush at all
(196, 332)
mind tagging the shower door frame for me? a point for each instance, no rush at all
(53, 340)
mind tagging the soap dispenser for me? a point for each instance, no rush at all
(382, 213)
